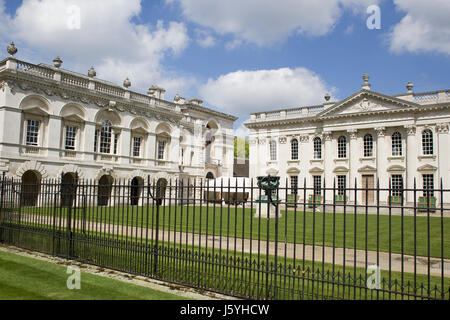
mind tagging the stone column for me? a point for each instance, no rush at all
(353, 154)
(443, 153)
(381, 162)
(327, 156)
(411, 161)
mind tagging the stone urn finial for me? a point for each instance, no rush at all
(12, 50)
(327, 97)
(91, 72)
(57, 62)
(409, 86)
(127, 83)
(366, 84)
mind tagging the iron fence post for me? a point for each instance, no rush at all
(1, 206)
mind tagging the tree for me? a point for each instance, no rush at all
(241, 148)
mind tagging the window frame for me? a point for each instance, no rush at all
(294, 149)
(397, 144)
(35, 141)
(397, 185)
(74, 139)
(136, 147)
(427, 142)
(317, 145)
(427, 181)
(368, 145)
(341, 185)
(342, 147)
(273, 150)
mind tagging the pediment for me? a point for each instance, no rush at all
(364, 102)
(272, 171)
(293, 170)
(426, 167)
(367, 169)
(397, 168)
(340, 169)
(316, 170)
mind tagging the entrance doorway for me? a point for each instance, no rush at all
(104, 190)
(30, 189)
(368, 182)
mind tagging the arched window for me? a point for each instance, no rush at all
(397, 147)
(427, 142)
(317, 148)
(105, 137)
(273, 150)
(368, 145)
(342, 147)
(294, 149)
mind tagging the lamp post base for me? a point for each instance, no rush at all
(267, 211)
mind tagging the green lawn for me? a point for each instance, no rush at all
(33, 279)
(383, 232)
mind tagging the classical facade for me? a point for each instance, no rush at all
(54, 121)
(367, 137)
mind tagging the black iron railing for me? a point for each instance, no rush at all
(278, 242)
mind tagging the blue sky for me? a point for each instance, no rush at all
(241, 56)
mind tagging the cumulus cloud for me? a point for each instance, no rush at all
(425, 27)
(204, 38)
(104, 37)
(265, 22)
(244, 92)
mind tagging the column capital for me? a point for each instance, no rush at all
(381, 131)
(304, 138)
(282, 140)
(352, 133)
(327, 135)
(410, 130)
(442, 127)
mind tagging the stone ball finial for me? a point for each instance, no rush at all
(127, 83)
(327, 97)
(91, 72)
(409, 86)
(12, 50)
(57, 62)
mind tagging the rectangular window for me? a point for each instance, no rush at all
(294, 184)
(273, 150)
(428, 185)
(32, 132)
(136, 146)
(161, 147)
(317, 185)
(71, 133)
(116, 142)
(397, 185)
(96, 141)
(341, 184)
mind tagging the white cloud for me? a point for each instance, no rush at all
(107, 39)
(244, 92)
(204, 38)
(426, 26)
(265, 22)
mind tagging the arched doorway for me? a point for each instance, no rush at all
(209, 175)
(135, 190)
(68, 189)
(104, 190)
(31, 186)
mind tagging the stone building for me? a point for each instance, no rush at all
(55, 121)
(366, 137)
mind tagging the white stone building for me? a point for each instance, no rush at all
(366, 137)
(55, 121)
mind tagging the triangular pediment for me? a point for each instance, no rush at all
(364, 102)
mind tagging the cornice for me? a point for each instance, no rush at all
(51, 88)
